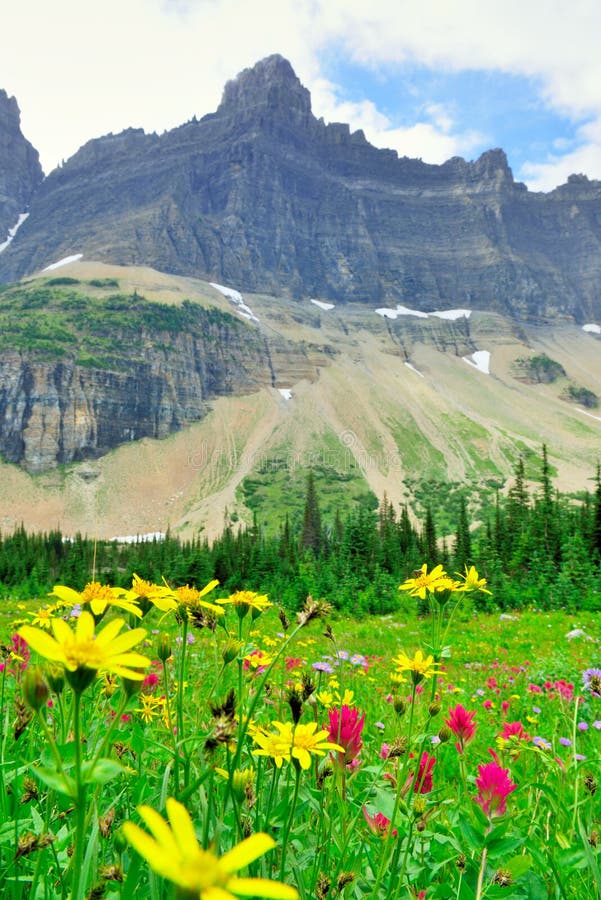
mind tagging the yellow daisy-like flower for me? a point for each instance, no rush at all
(472, 581)
(307, 741)
(98, 597)
(84, 654)
(247, 601)
(294, 742)
(419, 667)
(191, 598)
(146, 594)
(173, 852)
(150, 707)
(43, 617)
(427, 582)
(277, 746)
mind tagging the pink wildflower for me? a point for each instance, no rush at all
(345, 728)
(514, 730)
(461, 723)
(494, 786)
(422, 783)
(378, 823)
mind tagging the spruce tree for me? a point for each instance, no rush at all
(311, 537)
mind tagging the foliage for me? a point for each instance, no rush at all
(56, 318)
(582, 395)
(447, 756)
(540, 369)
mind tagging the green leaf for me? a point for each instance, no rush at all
(101, 772)
(474, 838)
(518, 865)
(63, 784)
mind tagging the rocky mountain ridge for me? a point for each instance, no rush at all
(20, 169)
(264, 196)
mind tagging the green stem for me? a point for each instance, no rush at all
(481, 873)
(80, 805)
(397, 801)
(290, 818)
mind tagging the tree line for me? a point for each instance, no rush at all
(536, 547)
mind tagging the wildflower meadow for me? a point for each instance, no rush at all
(181, 741)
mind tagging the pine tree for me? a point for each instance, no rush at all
(311, 537)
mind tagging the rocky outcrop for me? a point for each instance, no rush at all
(77, 406)
(263, 196)
(20, 169)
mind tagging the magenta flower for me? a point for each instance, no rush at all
(422, 782)
(461, 723)
(514, 730)
(345, 729)
(494, 786)
(378, 823)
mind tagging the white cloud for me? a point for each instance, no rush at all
(81, 69)
(434, 140)
(583, 158)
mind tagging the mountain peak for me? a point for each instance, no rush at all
(271, 84)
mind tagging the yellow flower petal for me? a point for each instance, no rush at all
(246, 852)
(262, 887)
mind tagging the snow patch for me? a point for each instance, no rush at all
(585, 413)
(286, 393)
(413, 369)
(479, 360)
(400, 311)
(237, 299)
(450, 314)
(596, 329)
(12, 231)
(453, 314)
(63, 262)
(323, 305)
(139, 538)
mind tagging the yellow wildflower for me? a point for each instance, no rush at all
(430, 582)
(245, 602)
(419, 667)
(192, 598)
(84, 654)
(472, 581)
(173, 852)
(307, 741)
(98, 597)
(146, 593)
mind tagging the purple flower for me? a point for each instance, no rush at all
(536, 710)
(342, 654)
(190, 639)
(582, 726)
(592, 681)
(566, 742)
(579, 757)
(541, 742)
(597, 724)
(382, 726)
(323, 667)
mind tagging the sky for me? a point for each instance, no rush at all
(428, 78)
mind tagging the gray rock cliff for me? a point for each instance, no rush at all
(265, 197)
(20, 169)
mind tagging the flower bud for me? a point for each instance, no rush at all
(55, 676)
(434, 709)
(35, 689)
(444, 734)
(400, 706)
(163, 646)
(419, 806)
(231, 650)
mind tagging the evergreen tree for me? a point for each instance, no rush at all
(311, 537)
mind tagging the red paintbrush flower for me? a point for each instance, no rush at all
(461, 723)
(345, 728)
(494, 786)
(378, 823)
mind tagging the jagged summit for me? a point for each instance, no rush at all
(20, 169)
(263, 196)
(268, 92)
